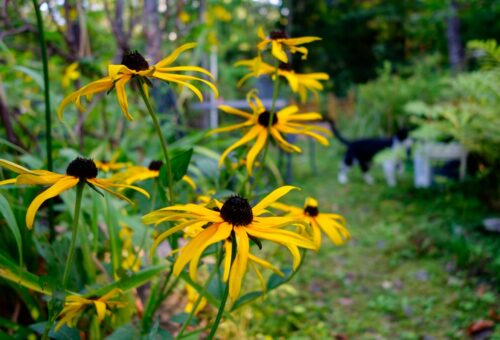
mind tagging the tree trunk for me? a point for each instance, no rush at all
(152, 33)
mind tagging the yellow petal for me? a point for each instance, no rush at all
(283, 143)
(239, 266)
(228, 249)
(305, 117)
(101, 310)
(254, 131)
(295, 254)
(260, 33)
(259, 276)
(265, 264)
(209, 214)
(14, 167)
(278, 53)
(177, 77)
(229, 128)
(300, 40)
(272, 197)
(189, 250)
(39, 180)
(160, 238)
(122, 96)
(63, 184)
(287, 111)
(174, 55)
(254, 151)
(171, 78)
(222, 232)
(189, 181)
(8, 181)
(280, 236)
(108, 183)
(185, 68)
(234, 111)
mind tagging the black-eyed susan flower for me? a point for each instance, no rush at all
(135, 66)
(300, 83)
(333, 225)
(235, 219)
(111, 165)
(140, 173)
(192, 297)
(70, 74)
(260, 127)
(280, 42)
(76, 305)
(78, 171)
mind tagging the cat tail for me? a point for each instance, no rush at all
(336, 132)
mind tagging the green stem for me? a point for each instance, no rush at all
(271, 117)
(223, 301)
(74, 231)
(198, 301)
(48, 121)
(163, 143)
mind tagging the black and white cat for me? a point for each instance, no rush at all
(362, 151)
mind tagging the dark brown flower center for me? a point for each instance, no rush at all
(83, 168)
(285, 66)
(237, 211)
(278, 34)
(264, 118)
(155, 165)
(135, 61)
(310, 210)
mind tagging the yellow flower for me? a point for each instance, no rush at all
(300, 83)
(111, 165)
(279, 42)
(192, 297)
(70, 73)
(140, 173)
(287, 120)
(184, 17)
(135, 66)
(75, 305)
(234, 218)
(79, 170)
(331, 224)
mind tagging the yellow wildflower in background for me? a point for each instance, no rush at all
(79, 170)
(286, 120)
(70, 73)
(139, 173)
(300, 83)
(108, 166)
(135, 66)
(75, 306)
(192, 297)
(234, 218)
(280, 42)
(333, 225)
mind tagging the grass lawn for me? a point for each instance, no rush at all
(414, 269)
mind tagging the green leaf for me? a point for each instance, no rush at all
(37, 77)
(248, 297)
(125, 332)
(12, 272)
(65, 333)
(180, 163)
(8, 214)
(276, 280)
(133, 281)
(182, 317)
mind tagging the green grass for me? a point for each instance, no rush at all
(417, 264)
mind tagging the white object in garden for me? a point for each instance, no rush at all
(429, 152)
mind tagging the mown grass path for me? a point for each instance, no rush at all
(392, 280)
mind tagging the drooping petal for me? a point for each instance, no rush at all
(160, 238)
(288, 147)
(278, 52)
(239, 266)
(272, 197)
(39, 180)
(265, 264)
(174, 55)
(8, 181)
(185, 68)
(254, 151)
(229, 128)
(14, 167)
(280, 236)
(254, 131)
(122, 96)
(222, 232)
(234, 111)
(300, 40)
(109, 183)
(63, 184)
(189, 181)
(100, 307)
(189, 250)
(171, 78)
(228, 249)
(181, 77)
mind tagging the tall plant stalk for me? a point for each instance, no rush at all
(74, 231)
(163, 143)
(48, 121)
